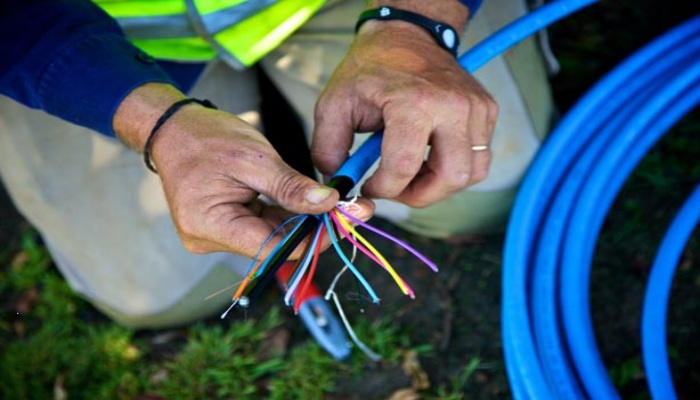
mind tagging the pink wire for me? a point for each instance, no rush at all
(363, 249)
(394, 239)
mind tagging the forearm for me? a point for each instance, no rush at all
(70, 59)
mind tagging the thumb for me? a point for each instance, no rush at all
(296, 192)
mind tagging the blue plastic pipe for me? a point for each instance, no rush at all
(548, 336)
(657, 295)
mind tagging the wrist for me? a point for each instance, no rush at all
(139, 111)
(445, 36)
(451, 12)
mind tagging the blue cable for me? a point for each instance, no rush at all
(620, 110)
(497, 43)
(513, 33)
(640, 133)
(657, 294)
(548, 338)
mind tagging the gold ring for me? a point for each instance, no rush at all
(480, 147)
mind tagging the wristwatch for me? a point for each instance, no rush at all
(444, 34)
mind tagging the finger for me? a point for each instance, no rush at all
(249, 234)
(287, 187)
(232, 227)
(361, 208)
(447, 171)
(333, 134)
(403, 151)
(482, 121)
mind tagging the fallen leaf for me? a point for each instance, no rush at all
(26, 300)
(411, 367)
(404, 394)
(59, 390)
(158, 377)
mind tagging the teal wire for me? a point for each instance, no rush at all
(346, 260)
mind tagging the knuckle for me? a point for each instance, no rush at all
(287, 187)
(480, 107)
(458, 180)
(323, 158)
(322, 105)
(417, 203)
(479, 175)
(193, 247)
(493, 108)
(404, 164)
(186, 226)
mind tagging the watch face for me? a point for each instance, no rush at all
(449, 38)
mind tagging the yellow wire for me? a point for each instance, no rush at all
(387, 266)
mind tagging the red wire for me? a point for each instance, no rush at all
(301, 295)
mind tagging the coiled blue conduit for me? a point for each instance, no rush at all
(548, 338)
(657, 295)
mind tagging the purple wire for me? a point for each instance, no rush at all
(390, 237)
(367, 252)
(354, 241)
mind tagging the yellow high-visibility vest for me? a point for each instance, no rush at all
(239, 32)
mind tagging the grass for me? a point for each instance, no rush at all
(55, 345)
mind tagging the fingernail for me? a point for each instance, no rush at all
(318, 195)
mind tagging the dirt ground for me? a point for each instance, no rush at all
(457, 310)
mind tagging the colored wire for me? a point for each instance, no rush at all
(330, 294)
(311, 273)
(282, 243)
(394, 239)
(341, 254)
(351, 233)
(301, 269)
(256, 267)
(267, 240)
(253, 270)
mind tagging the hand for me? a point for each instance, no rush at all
(396, 78)
(213, 167)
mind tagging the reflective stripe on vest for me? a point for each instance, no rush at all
(238, 31)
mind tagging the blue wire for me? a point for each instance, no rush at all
(302, 218)
(267, 240)
(346, 260)
(657, 295)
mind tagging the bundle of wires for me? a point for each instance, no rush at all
(336, 223)
(548, 336)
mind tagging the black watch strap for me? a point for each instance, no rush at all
(444, 34)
